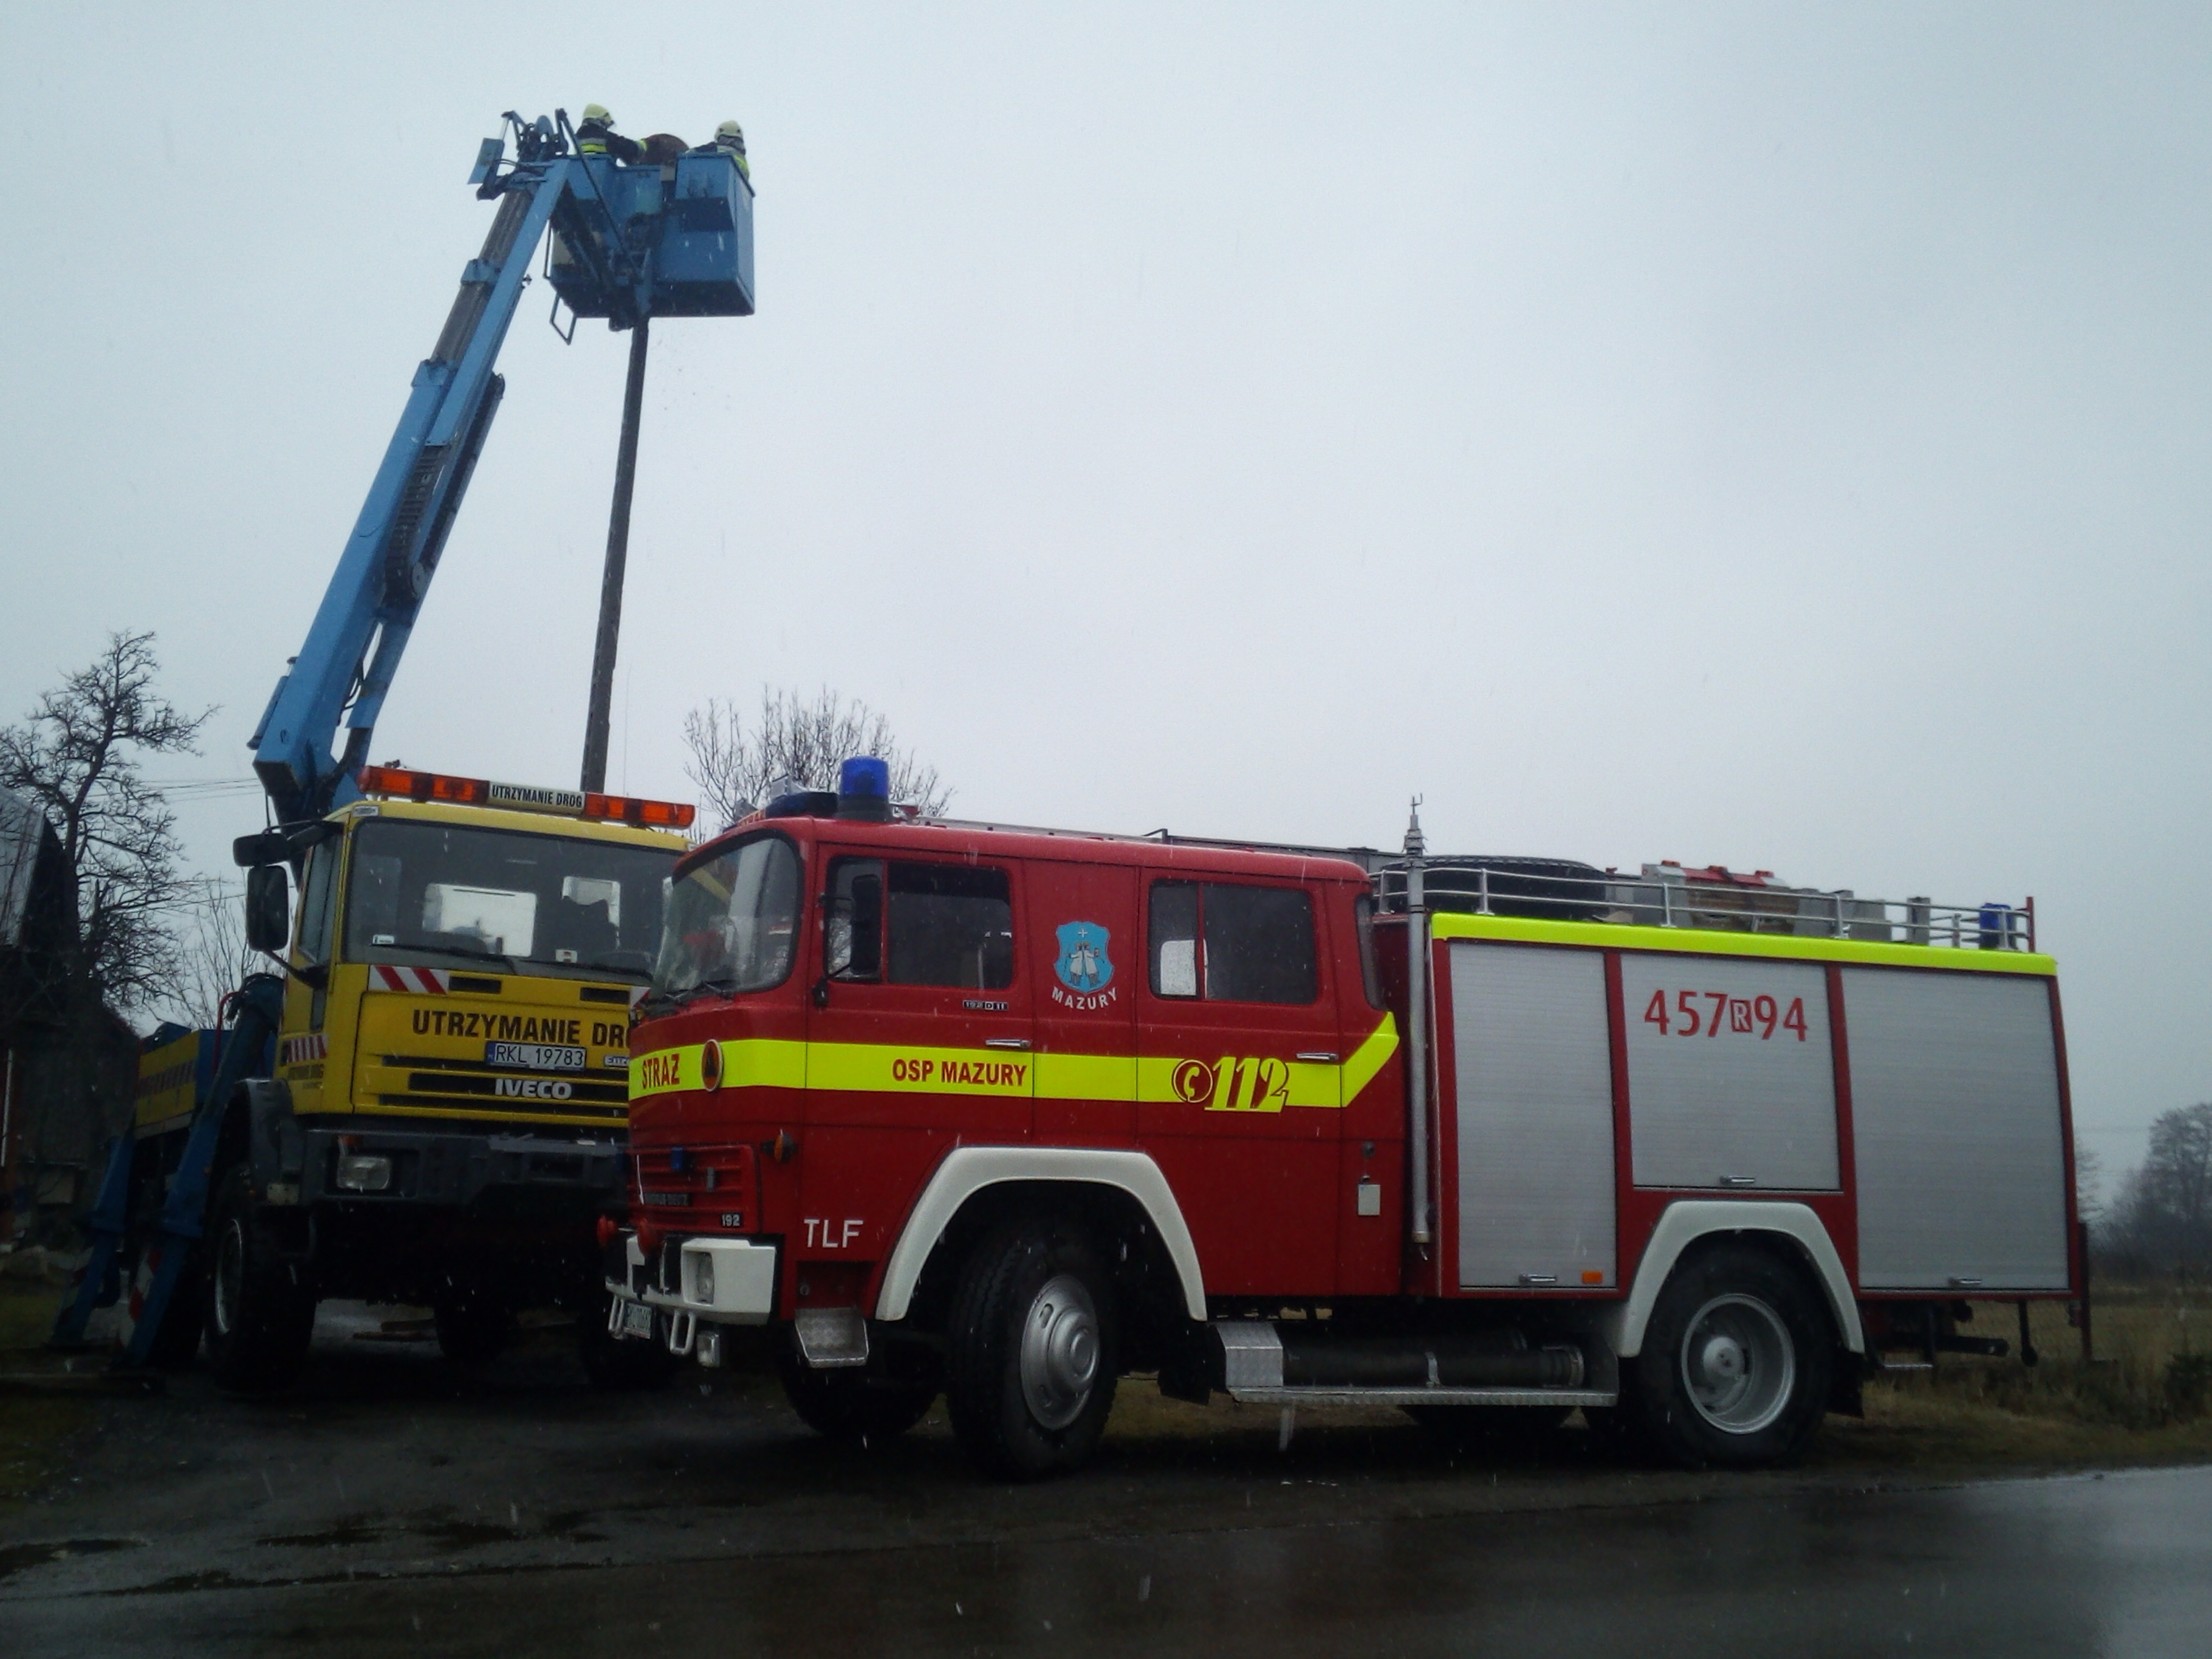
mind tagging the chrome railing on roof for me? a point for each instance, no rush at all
(1667, 895)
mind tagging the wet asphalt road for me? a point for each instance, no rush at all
(397, 1505)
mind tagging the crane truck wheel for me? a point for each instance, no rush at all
(260, 1313)
(1736, 1365)
(846, 1406)
(1032, 1352)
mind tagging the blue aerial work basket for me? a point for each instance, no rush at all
(692, 219)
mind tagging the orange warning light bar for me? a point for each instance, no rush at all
(401, 783)
(628, 809)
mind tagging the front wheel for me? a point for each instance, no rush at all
(260, 1312)
(1737, 1362)
(1032, 1352)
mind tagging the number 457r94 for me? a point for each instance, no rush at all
(1759, 1015)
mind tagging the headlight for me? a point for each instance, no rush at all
(702, 1279)
(358, 1172)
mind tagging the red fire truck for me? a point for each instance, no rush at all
(1007, 1114)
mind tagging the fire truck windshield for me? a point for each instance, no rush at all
(733, 921)
(437, 893)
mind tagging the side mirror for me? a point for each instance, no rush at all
(268, 906)
(251, 852)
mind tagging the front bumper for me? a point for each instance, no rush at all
(711, 1281)
(462, 1170)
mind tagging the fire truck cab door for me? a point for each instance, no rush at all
(920, 1020)
(1239, 1076)
(1083, 967)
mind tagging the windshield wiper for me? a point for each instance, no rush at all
(706, 987)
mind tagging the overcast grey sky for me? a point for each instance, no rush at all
(1765, 435)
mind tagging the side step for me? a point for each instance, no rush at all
(1263, 1363)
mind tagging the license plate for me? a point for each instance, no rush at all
(534, 1056)
(637, 1320)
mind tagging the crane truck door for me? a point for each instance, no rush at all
(1239, 1081)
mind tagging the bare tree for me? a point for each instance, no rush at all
(78, 754)
(213, 958)
(797, 741)
(2163, 1218)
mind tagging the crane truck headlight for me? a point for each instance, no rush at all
(362, 1172)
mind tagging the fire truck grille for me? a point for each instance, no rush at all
(703, 1188)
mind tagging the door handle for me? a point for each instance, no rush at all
(1006, 1042)
(1318, 1057)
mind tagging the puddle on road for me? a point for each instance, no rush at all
(21, 1558)
(447, 1534)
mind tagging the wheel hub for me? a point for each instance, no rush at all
(1059, 1351)
(1738, 1363)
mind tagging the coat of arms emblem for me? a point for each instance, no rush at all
(1084, 965)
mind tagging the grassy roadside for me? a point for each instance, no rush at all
(35, 1433)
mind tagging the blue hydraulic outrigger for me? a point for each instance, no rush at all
(627, 243)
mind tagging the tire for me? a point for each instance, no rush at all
(1736, 1362)
(616, 1365)
(473, 1329)
(1032, 1352)
(1488, 1428)
(260, 1312)
(844, 1406)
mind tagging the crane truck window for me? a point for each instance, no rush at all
(733, 921)
(902, 923)
(1243, 943)
(436, 893)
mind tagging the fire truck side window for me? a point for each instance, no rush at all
(1257, 942)
(1175, 938)
(951, 925)
(852, 921)
(1370, 974)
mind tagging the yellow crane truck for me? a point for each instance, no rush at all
(441, 1120)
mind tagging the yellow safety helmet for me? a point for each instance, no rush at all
(730, 131)
(599, 113)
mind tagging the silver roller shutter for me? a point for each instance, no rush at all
(1752, 1107)
(1534, 1099)
(1955, 1113)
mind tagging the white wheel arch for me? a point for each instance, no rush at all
(1683, 1223)
(967, 1170)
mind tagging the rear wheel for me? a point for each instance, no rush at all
(1032, 1352)
(845, 1405)
(260, 1313)
(1736, 1362)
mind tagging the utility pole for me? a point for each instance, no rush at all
(610, 584)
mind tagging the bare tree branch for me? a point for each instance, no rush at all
(77, 753)
(798, 742)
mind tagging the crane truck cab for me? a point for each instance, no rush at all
(443, 1114)
(930, 1106)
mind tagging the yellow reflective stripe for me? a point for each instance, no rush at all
(1370, 1057)
(891, 1068)
(896, 1068)
(1086, 1077)
(748, 1063)
(1713, 941)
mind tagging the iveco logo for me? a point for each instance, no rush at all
(533, 1088)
